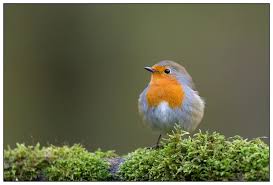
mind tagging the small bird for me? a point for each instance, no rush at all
(170, 98)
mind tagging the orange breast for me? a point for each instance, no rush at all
(164, 88)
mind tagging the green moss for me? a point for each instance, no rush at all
(26, 163)
(77, 164)
(106, 154)
(205, 157)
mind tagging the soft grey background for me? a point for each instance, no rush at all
(73, 73)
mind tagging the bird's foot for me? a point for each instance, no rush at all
(155, 147)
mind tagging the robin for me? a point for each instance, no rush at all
(170, 98)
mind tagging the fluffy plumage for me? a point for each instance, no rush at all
(170, 98)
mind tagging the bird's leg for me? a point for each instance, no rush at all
(157, 145)
(158, 141)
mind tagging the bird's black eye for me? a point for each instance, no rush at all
(167, 71)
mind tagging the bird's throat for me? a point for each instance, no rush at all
(162, 88)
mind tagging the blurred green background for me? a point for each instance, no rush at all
(73, 72)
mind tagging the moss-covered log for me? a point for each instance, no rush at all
(203, 157)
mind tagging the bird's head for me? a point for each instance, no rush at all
(168, 71)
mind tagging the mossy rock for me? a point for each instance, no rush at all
(203, 157)
(28, 163)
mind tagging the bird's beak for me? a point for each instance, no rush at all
(149, 69)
